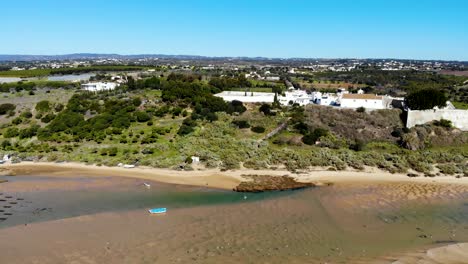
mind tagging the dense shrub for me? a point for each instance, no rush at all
(258, 129)
(43, 106)
(361, 109)
(5, 108)
(142, 116)
(47, 118)
(26, 114)
(241, 123)
(313, 136)
(449, 168)
(11, 132)
(443, 123)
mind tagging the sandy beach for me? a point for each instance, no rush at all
(216, 178)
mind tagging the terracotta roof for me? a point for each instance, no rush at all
(362, 96)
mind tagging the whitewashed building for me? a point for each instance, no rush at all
(98, 86)
(325, 98)
(295, 97)
(368, 101)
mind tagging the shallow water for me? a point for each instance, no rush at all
(338, 224)
(71, 77)
(125, 194)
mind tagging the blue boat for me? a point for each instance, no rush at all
(157, 210)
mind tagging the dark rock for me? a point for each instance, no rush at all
(261, 183)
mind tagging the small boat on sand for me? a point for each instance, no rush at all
(157, 210)
(147, 185)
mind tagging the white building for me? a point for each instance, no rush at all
(98, 86)
(325, 98)
(247, 97)
(295, 97)
(272, 78)
(368, 101)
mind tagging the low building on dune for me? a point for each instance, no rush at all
(98, 86)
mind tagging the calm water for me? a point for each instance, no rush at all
(66, 77)
(71, 77)
(53, 204)
(331, 224)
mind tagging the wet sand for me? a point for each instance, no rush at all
(349, 222)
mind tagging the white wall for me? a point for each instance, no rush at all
(366, 103)
(230, 96)
(459, 118)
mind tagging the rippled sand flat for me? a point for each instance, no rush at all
(345, 223)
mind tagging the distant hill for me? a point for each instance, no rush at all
(98, 56)
(91, 56)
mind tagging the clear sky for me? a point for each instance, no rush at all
(413, 29)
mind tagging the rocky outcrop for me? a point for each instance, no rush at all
(262, 183)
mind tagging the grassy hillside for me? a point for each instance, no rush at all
(162, 122)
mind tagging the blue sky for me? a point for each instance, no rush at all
(425, 29)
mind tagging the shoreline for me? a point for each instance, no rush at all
(215, 178)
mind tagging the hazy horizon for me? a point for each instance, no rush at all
(271, 29)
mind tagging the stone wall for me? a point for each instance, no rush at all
(459, 118)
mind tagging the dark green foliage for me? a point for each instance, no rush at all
(26, 114)
(111, 151)
(17, 121)
(6, 144)
(358, 145)
(29, 132)
(315, 135)
(426, 99)
(47, 118)
(149, 123)
(43, 106)
(265, 109)
(5, 108)
(176, 111)
(224, 83)
(302, 128)
(142, 116)
(187, 127)
(241, 123)
(443, 123)
(361, 109)
(235, 107)
(136, 101)
(58, 107)
(185, 130)
(258, 129)
(11, 132)
(183, 77)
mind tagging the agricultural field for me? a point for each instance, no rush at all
(61, 71)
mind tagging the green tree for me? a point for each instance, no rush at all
(426, 99)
